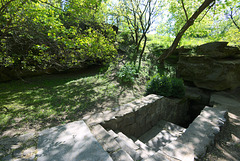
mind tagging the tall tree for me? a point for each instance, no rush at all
(139, 15)
(189, 22)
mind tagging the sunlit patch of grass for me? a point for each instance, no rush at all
(54, 99)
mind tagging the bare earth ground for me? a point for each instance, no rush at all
(227, 145)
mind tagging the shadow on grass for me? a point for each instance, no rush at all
(50, 100)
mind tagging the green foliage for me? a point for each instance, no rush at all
(127, 74)
(165, 86)
(214, 24)
(155, 49)
(126, 44)
(37, 35)
(177, 88)
(159, 85)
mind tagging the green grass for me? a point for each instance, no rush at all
(50, 100)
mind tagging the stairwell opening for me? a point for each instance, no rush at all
(154, 113)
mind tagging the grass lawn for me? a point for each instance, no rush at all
(50, 100)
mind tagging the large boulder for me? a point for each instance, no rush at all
(217, 50)
(212, 72)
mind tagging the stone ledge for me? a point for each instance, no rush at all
(137, 117)
(121, 110)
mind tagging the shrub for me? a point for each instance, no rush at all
(177, 89)
(159, 85)
(155, 49)
(165, 86)
(127, 74)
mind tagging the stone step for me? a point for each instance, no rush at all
(198, 137)
(127, 144)
(161, 134)
(109, 144)
(138, 150)
(73, 141)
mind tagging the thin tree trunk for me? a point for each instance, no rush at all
(189, 23)
(141, 55)
(234, 22)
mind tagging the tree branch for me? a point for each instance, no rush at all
(234, 22)
(207, 11)
(185, 11)
(189, 23)
(50, 4)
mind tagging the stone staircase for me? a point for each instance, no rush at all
(121, 147)
(148, 137)
(161, 134)
(165, 141)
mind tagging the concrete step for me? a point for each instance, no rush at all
(138, 150)
(109, 144)
(127, 144)
(73, 141)
(161, 134)
(198, 137)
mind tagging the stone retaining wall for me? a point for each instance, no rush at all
(139, 116)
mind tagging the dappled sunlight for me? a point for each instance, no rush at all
(55, 99)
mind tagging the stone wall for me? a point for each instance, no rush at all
(139, 116)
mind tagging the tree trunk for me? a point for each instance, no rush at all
(141, 54)
(189, 23)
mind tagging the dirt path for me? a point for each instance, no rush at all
(227, 146)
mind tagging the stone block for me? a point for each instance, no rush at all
(121, 155)
(125, 130)
(154, 118)
(178, 150)
(72, 141)
(105, 139)
(128, 145)
(132, 129)
(128, 119)
(151, 108)
(141, 121)
(143, 112)
(111, 124)
(156, 157)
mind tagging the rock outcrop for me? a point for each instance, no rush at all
(213, 66)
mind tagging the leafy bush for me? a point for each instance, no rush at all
(159, 85)
(127, 73)
(155, 49)
(165, 86)
(53, 38)
(177, 89)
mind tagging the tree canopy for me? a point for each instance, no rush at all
(40, 34)
(43, 34)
